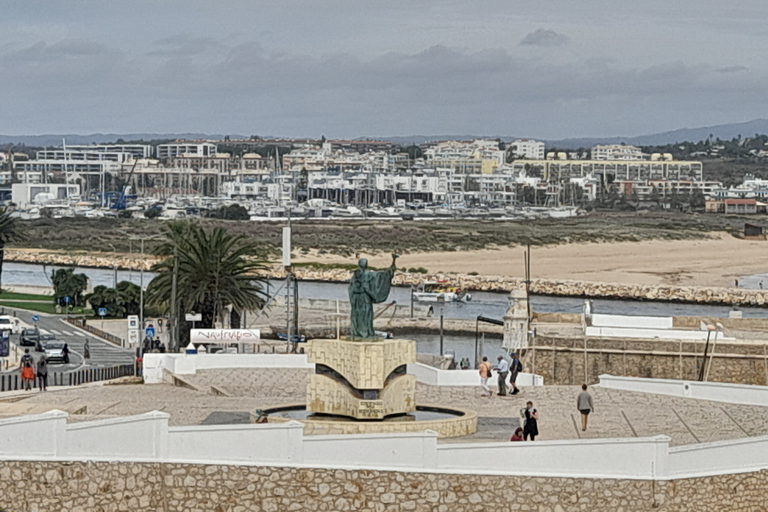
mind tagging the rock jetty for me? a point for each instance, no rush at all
(561, 288)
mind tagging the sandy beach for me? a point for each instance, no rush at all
(717, 261)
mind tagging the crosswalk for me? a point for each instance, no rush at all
(60, 333)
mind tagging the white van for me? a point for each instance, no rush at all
(9, 324)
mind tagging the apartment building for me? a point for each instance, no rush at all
(526, 148)
(74, 154)
(617, 152)
(137, 150)
(628, 170)
(180, 148)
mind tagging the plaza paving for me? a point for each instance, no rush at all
(618, 413)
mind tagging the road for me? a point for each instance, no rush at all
(102, 353)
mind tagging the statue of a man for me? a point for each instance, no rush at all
(365, 289)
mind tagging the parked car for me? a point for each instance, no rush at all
(9, 324)
(44, 340)
(31, 338)
(54, 351)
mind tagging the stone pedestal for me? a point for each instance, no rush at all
(361, 379)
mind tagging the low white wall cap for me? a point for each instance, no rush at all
(28, 418)
(151, 415)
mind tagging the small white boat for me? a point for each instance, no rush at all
(436, 291)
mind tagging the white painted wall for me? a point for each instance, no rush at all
(716, 391)
(148, 438)
(256, 444)
(590, 458)
(141, 437)
(665, 334)
(436, 377)
(188, 364)
(402, 451)
(706, 459)
(638, 322)
(33, 436)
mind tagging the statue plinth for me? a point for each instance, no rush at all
(361, 379)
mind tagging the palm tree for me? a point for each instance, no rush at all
(9, 232)
(216, 270)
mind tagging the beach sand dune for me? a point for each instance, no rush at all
(716, 261)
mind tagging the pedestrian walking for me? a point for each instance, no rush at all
(515, 367)
(531, 427)
(503, 370)
(485, 374)
(65, 353)
(585, 405)
(42, 373)
(87, 352)
(27, 372)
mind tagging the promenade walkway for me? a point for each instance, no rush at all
(618, 413)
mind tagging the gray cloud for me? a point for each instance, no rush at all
(403, 67)
(543, 37)
(732, 69)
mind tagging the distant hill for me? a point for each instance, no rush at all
(722, 131)
(102, 138)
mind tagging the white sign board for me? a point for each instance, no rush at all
(193, 317)
(286, 246)
(244, 336)
(133, 336)
(133, 322)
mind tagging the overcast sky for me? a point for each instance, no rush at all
(544, 68)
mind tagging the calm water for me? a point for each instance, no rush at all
(488, 304)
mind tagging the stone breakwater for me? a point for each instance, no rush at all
(562, 288)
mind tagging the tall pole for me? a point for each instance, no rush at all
(173, 343)
(141, 287)
(441, 332)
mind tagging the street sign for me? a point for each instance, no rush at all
(66, 300)
(133, 322)
(150, 332)
(35, 318)
(102, 311)
(193, 317)
(133, 336)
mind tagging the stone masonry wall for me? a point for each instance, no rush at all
(737, 363)
(107, 487)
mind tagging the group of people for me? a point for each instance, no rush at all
(504, 369)
(152, 345)
(30, 370)
(529, 415)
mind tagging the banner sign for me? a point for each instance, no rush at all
(244, 336)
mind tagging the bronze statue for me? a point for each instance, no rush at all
(365, 289)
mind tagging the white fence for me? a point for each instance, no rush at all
(716, 391)
(636, 322)
(148, 438)
(188, 364)
(645, 327)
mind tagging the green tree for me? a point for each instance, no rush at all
(9, 232)
(119, 302)
(697, 198)
(654, 195)
(152, 213)
(216, 270)
(68, 284)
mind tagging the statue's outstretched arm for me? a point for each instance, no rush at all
(394, 261)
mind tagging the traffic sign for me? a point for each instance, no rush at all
(66, 300)
(35, 318)
(133, 336)
(102, 311)
(150, 332)
(193, 317)
(133, 322)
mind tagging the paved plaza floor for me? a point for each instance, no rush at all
(618, 413)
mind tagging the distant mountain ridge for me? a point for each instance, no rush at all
(722, 131)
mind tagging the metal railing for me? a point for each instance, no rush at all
(12, 381)
(82, 324)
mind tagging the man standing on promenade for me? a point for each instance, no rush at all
(515, 367)
(585, 405)
(485, 374)
(503, 369)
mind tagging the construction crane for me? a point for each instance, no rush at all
(119, 203)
